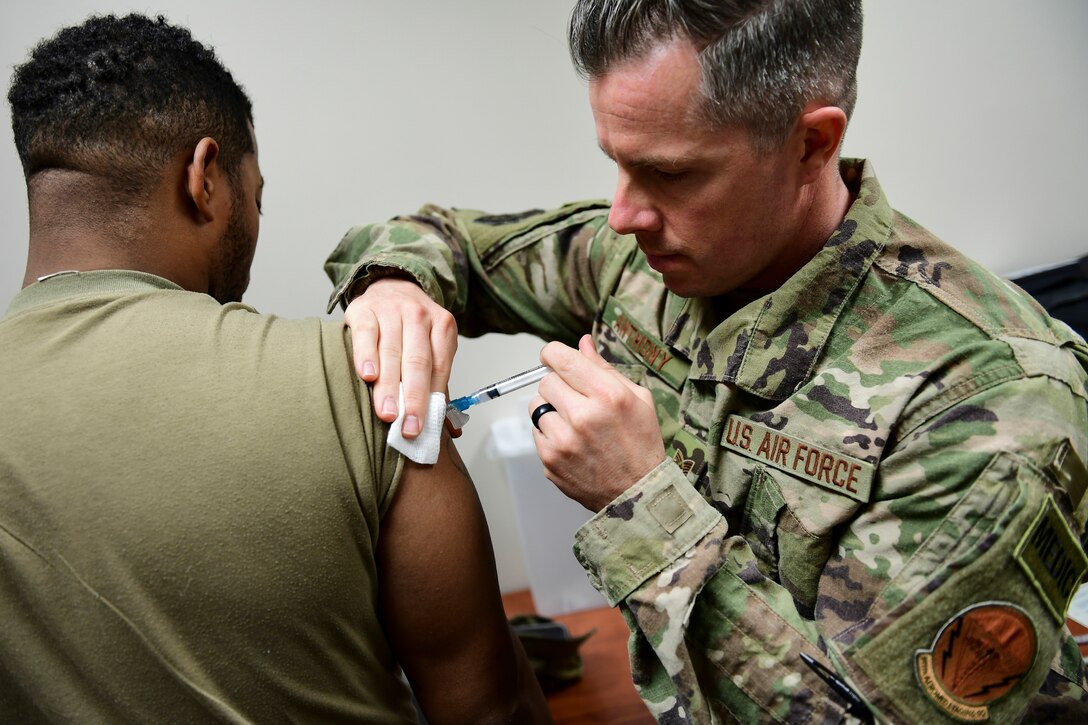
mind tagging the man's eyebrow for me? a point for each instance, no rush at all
(650, 161)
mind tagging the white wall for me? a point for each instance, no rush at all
(972, 111)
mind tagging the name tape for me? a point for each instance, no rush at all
(1052, 558)
(651, 351)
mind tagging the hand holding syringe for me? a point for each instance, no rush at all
(455, 411)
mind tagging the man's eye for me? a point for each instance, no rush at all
(670, 174)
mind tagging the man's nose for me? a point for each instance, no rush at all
(631, 209)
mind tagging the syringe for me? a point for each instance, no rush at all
(507, 385)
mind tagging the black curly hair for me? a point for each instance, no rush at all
(118, 97)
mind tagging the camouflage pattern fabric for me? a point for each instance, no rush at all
(878, 466)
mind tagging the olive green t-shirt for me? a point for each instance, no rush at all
(190, 498)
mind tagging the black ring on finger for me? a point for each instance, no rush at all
(541, 410)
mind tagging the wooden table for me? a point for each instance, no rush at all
(605, 693)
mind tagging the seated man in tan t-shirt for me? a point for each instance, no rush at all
(200, 518)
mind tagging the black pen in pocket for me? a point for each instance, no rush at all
(857, 706)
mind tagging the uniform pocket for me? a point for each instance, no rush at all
(759, 525)
(790, 524)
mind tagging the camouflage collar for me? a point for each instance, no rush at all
(771, 346)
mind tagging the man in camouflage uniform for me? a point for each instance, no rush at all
(838, 467)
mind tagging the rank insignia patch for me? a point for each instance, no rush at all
(688, 452)
(977, 658)
(685, 464)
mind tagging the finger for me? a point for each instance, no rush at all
(589, 350)
(588, 387)
(387, 386)
(540, 442)
(364, 339)
(415, 373)
(578, 371)
(539, 410)
(554, 387)
(443, 349)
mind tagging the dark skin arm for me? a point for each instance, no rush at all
(440, 602)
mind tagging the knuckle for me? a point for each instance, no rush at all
(612, 398)
(417, 361)
(389, 347)
(415, 314)
(363, 325)
(566, 447)
(357, 315)
(546, 389)
(383, 390)
(440, 365)
(550, 457)
(355, 307)
(581, 419)
(445, 324)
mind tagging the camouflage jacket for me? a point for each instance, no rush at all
(876, 469)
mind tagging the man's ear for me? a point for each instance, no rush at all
(204, 179)
(820, 129)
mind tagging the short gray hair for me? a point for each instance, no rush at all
(762, 60)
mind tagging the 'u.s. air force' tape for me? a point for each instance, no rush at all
(842, 474)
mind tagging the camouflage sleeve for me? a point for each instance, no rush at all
(536, 271)
(712, 638)
(943, 599)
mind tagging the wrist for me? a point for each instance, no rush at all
(377, 274)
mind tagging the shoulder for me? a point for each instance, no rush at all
(497, 230)
(239, 327)
(239, 351)
(949, 280)
(929, 329)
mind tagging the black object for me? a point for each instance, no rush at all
(1062, 291)
(552, 651)
(541, 410)
(857, 706)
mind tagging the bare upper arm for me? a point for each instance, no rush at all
(440, 602)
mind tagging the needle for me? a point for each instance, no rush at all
(504, 386)
(455, 411)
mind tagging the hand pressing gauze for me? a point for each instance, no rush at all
(424, 447)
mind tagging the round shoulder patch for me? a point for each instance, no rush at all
(977, 657)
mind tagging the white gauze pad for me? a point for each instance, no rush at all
(424, 447)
